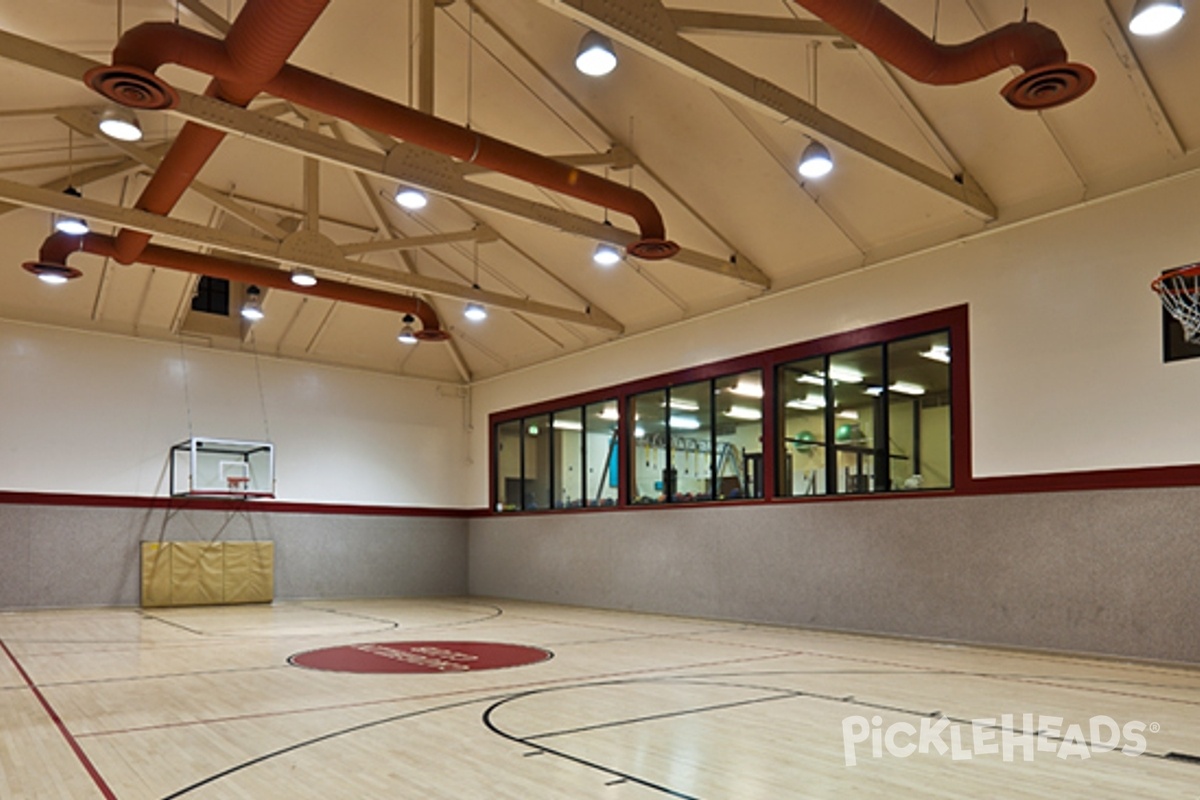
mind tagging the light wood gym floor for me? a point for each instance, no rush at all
(202, 704)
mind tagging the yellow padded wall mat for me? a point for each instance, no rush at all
(207, 573)
(249, 577)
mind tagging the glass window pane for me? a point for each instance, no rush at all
(568, 458)
(690, 423)
(537, 438)
(603, 453)
(648, 453)
(919, 412)
(800, 465)
(508, 466)
(857, 377)
(739, 436)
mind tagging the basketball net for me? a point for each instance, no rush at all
(1180, 293)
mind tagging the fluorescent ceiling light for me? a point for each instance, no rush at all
(848, 413)
(874, 391)
(639, 432)
(937, 352)
(814, 402)
(748, 388)
(567, 424)
(905, 387)
(845, 374)
(742, 412)
(1152, 17)
(815, 379)
(684, 405)
(685, 423)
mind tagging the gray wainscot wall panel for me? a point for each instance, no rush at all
(74, 556)
(1088, 572)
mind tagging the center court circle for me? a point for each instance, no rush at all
(420, 657)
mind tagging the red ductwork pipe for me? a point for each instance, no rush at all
(1049, 79)
(145, 48)
(259, 42)
(55, 250)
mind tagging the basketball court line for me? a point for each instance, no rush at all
(76, 748)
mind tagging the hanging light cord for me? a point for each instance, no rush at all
(470, 61)
(262, 397)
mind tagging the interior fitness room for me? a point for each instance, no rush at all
(785, 376)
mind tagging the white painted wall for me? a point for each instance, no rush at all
(1066, 364)
(97, 414)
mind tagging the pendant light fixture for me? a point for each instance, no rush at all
(1152, 17)
(815, 161)
(120, 124)
(411, 198)
(302, 276)
(407, 335)
(596, 56)
(252, 307)
(66, 223)
(473, 311)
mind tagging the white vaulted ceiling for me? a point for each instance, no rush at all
(719, 164)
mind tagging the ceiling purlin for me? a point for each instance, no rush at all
(83, 121)
(646, 26)
(404, 162)
(745, 268)
(375, 209)
(386, 143)
(300, 248)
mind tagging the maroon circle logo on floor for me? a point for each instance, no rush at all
(384, 657)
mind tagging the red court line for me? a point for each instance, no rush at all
(62, 728)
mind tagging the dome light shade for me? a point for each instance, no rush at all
(410, 198)
(65, 223)
(302, 276)
(1152, 17)
(120, 124)
(252, 308)
(596, 56)
(606, 255)
(816, 161)
(407, 335)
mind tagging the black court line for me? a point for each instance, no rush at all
(161, 677)
(534, 740)
(317, 740)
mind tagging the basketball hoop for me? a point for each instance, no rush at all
(237, 483)
(1179, 290)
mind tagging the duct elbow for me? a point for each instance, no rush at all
(130, 79)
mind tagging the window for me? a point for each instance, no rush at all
(602, 453)
(863, 412)
(212, 296)
(567, 429)
(649, 465)
(739, 432)
(919, 412)
(801, 457)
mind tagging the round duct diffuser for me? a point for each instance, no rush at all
(132, 86)
(653, 249)
(1049, 86)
